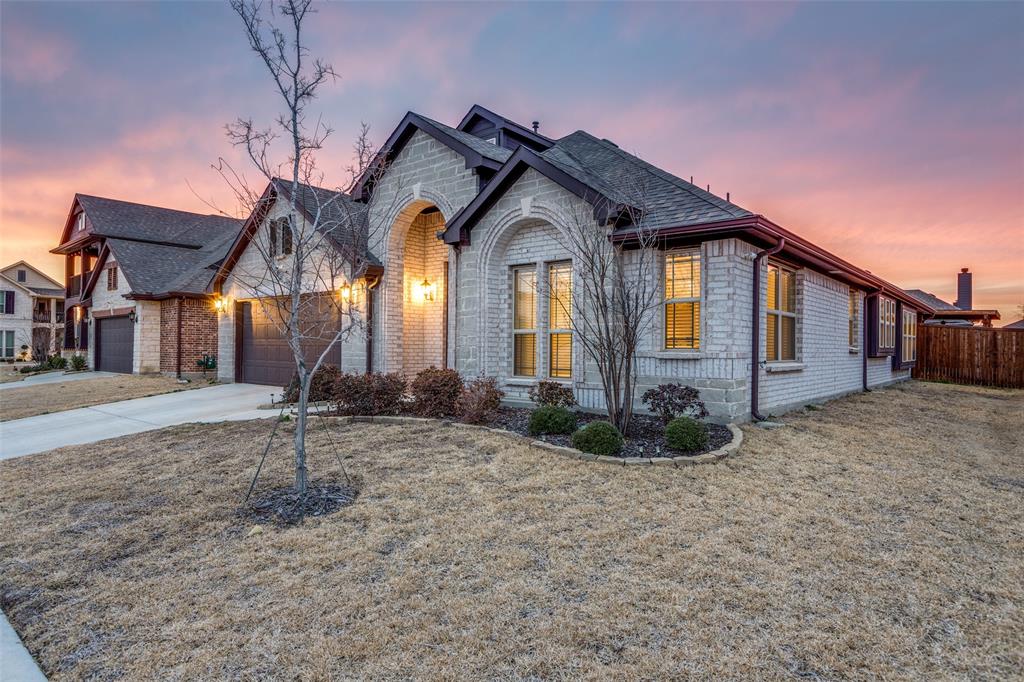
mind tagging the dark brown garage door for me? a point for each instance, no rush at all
(266, 357)
(115, 339)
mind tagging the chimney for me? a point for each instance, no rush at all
(536, 125)
(963, 290)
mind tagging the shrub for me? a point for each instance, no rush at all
(369, 394)
(480, 399)
(598, 438)
(78, 362)
(686, 434)
(435, 392)
(321, 386)
(57, 362)
(675, 400)
(551, 419)
(552, 393)
(28, 369)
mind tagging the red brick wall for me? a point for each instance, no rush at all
(198, 334)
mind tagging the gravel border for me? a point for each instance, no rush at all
(572, 453)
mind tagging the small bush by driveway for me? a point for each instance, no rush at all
(29, 401)
(879, 536)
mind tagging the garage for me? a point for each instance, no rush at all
(115, 343)
(265, 355)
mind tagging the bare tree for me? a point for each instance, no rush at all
(313, 255)
(615, 289)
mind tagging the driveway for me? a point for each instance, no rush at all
(227, 402)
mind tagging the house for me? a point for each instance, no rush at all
(1019, 324)
(136, 284)
(31, 313)
(464, 227)
(958, 314)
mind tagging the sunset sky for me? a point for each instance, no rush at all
(890, 134)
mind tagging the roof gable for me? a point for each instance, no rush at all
(24, 265)
(481, 122)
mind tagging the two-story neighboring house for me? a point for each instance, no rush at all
(136, 284)
(31, 313)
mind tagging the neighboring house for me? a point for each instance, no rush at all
(31, 313)
(136, 284)
(471, 216)
(1019, 324)
(958, 314)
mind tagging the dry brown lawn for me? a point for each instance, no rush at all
(29, 401)
(881, 536)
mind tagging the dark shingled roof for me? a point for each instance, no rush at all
(931, 300)
(190, 244)
(338, 213)
(667, 200)
(1019, 324)
(43, 291)
(480, 146)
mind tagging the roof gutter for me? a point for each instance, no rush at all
(755, 328)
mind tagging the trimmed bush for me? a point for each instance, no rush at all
(675, 400)
(598, 438)
(57, 362)
(78, 362)
(435, 392)
(480, 399)
(321, 386)
(369, 394)
(551, 419)
(686, 434)
(552, 393)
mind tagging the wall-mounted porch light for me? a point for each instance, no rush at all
(132, 316)
(426, 291)
(220, 304)
(345, 292)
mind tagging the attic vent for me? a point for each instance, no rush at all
(605, 139)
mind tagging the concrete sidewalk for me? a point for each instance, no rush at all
(16, 663)
(55, 378)
(227, 402)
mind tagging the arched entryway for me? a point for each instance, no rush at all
(417, 284)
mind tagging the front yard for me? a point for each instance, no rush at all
(879, 536)
(29, 401)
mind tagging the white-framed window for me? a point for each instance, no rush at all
(22, 275)
(682, 300)
(6, 344)
(280, 238)
(524, 322)
(81, 221)
(854, 311)
(886, 323)
(560, 320)
(492, 140)
(781, 315)
(908, 349)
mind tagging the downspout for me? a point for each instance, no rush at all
(179, 339)
(755, 332)
(370, 286)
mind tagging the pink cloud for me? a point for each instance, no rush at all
(30, 56)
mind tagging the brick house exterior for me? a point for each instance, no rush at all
(467, 210)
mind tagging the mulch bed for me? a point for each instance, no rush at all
(646, 437)
(284, 506)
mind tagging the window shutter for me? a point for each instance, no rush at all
(286, 238)
(273, 238)
(9, 302)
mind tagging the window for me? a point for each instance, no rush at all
(280, 238)
(908, 351)
(560, 320)
(81, 221)
(22, 275)
(7, 344)
(682, 300)
(780, 320)
(60, 312)
(524, 322)
(854, 306)
(112, 278)
(886, 323)
(492, 140)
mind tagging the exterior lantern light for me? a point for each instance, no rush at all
(132, 317)
(220, 304)
(345, 292)
(427, 290)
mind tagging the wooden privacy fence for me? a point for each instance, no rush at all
(970, 355)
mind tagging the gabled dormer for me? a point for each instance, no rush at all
(498, 130)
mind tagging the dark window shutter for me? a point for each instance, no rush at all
(273, 238)
(9, 302)
(83, 334)
(286, 237)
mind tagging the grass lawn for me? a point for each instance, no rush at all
(879, 536)
(29, 401)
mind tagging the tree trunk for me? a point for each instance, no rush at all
(301, 474)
